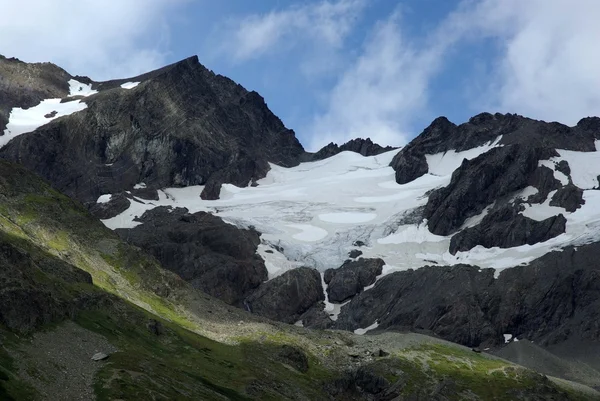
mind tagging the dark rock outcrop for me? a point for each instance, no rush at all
(31, 294)
(213, 256)
(365, 147)
(285, 298)
(479, 182)
(182, 125)
(507, 228)
(116, 205)
(554, 299)
(350, 279)
(442, 135)
(568, 197)
(355, 253)
(447, 301)
(316, 317)
(25, 85)
(543, 180)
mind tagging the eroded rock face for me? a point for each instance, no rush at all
(506, 228)
(25, 305)
(448, 301)
(479, 182)
(554, 299)
(182, 125)
(442, 135)
(350, 279)
(213, 256)
(568, 197)
(285, 298)
(116, 205)
(25, 85)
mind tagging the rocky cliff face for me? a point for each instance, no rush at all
(443, 135)
(213, 256)
(182, 125)
(25, 85)
(553, 299)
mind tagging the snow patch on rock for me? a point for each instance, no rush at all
(22, 121)
(77, 88)
(129, 85)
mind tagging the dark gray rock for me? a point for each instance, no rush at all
(116, 205)
(506, 228)
(182, 125)
(365, 147)
(213, 256)
(554, 299)
(285, 298)
(563, 167)
(145, 193)
(479, 182)
(316, 317)
(451, 302)
(543, 180)
(25, 85)
(351, 278)
(355, 253)
(442, 135)
(568, 197)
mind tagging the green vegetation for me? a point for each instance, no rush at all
(11, 386)
(202, 349)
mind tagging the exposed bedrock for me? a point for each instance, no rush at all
(554, 299)
(568, 197)
(34, 287)
(479, 182)
(443, 135)
(287, 297)
(507, 228)
(351, 278)
(215, 257)
(26, 84)
(182, 125)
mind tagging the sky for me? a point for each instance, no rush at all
(334, 70)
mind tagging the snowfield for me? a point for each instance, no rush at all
(316, 211)
(21, 121)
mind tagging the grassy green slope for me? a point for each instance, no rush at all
(205, 349)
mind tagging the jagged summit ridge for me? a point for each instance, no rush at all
(182, 125)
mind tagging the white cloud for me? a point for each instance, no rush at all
(380, 94)
(545, 65)
(104, 39)
(549, 64)
(322, 24)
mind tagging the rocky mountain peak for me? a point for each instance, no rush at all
(180, 125)
(365, 147)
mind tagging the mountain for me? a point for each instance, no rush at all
(181, 220)
(178, 126)
(71, 289)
